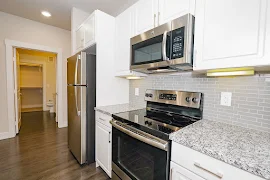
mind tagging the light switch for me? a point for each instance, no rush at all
(136, 118)
(226, 99)
(137, 91)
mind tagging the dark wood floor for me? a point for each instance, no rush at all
(40, 151)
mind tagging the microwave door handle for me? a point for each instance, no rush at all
(164, 46)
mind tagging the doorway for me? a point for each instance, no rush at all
(12, 89)
(36, 82)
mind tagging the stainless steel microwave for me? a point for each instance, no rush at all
(166, 48)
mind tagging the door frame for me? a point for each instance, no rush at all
(61, 82)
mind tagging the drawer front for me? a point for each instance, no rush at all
(207, 167)
(104, 119)
(179, 173)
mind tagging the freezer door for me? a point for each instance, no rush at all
(76, 134)
(76, 69)
(71, 66)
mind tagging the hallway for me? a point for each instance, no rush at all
(40, 151)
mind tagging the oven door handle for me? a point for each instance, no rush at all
(142, 136)
(164, 46)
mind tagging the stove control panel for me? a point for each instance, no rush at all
(171, 97)
(180, 98)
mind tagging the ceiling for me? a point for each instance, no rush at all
(61, 9)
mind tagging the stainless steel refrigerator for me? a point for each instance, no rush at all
(81, 80)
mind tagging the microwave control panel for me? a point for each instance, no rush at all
(178, 36)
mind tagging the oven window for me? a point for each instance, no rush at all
(138, 159)
(149, 51)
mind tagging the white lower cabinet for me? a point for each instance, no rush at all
(179, 173)
(203, 166)
(104, 146)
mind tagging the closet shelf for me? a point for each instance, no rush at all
(30, 87)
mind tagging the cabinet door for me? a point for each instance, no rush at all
(79, 38)
(103, 147)
(89, 27)
(123, 34)
(231, 33)
(171, 9)
(145, 15)
(180, 173)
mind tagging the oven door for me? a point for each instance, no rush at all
(151, 48)
(135, 159)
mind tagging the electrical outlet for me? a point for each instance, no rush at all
(226, 99)
(137, 91)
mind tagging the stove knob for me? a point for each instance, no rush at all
(188, 99)
(146, 95)
(195, 100)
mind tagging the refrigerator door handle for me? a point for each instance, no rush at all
(75, 86)
(76, 71)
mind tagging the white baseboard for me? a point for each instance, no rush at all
(4, 135)
(33, 106)
(62, 125)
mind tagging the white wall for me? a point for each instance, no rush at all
(20, 29)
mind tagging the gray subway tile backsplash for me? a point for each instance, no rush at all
(250, 96)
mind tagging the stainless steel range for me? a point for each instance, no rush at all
(141, 145)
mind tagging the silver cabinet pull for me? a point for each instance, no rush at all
(217, 174)
(109, 137)
(171, 174)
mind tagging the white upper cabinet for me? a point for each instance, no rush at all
(85, 35)
(145, 15)
(172, 9)
(79, 38)
(89, 26)
(77, 18)
(231, 33)
(152, 13)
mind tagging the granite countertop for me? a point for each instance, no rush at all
(118, 108)
(243, 148)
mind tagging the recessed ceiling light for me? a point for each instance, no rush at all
(46, 14)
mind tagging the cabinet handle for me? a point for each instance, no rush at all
(109, 137)
(171, 173)
(217, 174)
(155, 20)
